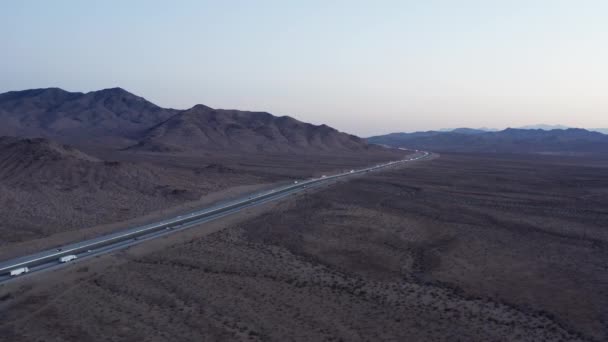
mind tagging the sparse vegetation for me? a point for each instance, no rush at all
(457, 258)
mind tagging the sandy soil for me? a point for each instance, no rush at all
(51, 196)
(461, 248)
(66, 237)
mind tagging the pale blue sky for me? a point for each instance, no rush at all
(365, 67)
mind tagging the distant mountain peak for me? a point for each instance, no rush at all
(117, 89)
(200, 107)
(544, 127)
(115, 92)
(47, 94)
(467, 130)
(108, 116)
(51, 90)
(201, 128)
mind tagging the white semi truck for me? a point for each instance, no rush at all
(19, 271)
(67, 258)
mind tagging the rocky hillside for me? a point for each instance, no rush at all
(116, 118)
(47, 187)
(206, 129)
(105, 116)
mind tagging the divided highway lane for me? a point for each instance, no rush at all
(104, 244)
(54, 263)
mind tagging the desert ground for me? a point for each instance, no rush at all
(54, 194)
(459, 248)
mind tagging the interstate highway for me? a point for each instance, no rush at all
(49, 259)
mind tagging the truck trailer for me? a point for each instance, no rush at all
(67, 258)
(19, 271)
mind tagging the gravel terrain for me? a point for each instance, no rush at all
(460, 248)
(48, 190)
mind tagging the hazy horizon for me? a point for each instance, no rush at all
(361, 68)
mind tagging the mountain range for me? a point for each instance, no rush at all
(118, 119)
(544, 127)
(511, 140)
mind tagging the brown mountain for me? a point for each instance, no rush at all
(206, 129)
(117, 118)
(105, 116)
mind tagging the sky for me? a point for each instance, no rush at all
(364, 67)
